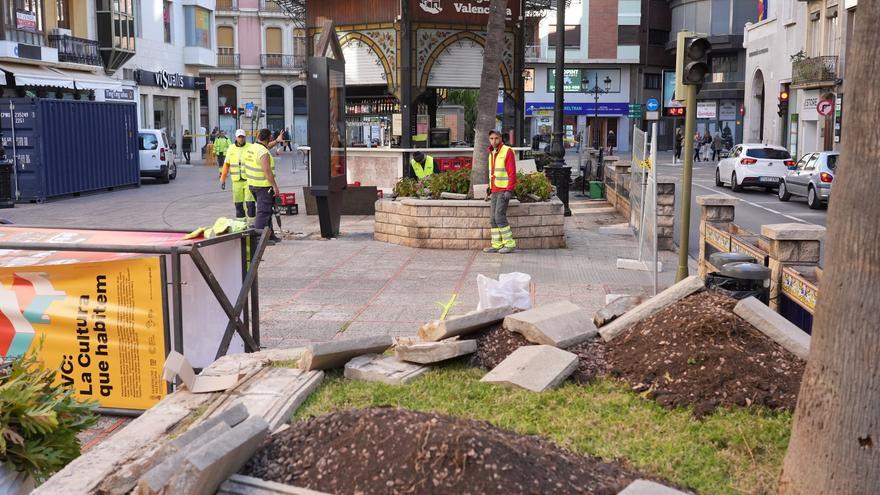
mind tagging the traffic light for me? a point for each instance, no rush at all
(691, 63)
(783, 102)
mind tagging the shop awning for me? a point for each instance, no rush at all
(91, 80)
(36, 75)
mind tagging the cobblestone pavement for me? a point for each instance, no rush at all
(313, 289)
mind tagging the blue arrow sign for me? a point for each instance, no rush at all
(249, 105)
(653, 105)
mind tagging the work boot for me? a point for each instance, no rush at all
(506, 250)
(491, 250)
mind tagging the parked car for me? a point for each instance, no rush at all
(811, 178)
(156, 155)
(753, 165)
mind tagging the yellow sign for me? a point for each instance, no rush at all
(101, 326)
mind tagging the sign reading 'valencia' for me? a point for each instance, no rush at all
(457, 11)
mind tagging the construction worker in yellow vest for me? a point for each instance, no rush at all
(260, 169)
(233, 167)
(502, 172)
(422, 165)
(221, 146)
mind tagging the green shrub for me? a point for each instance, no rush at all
(39, 421)
(406, 188)
(454, 181)
(534, 183)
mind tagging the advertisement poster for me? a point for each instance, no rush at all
(25, 20)
(101, 325)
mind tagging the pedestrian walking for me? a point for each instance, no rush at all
(260, 169)
(706, 146)
(502, 170)
(287, 142)
(717, 145)
(186, 145)
(679, 139)
(234, 168)
(221, 145)
(612, 142)
(698, 141)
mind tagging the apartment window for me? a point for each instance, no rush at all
(815, 48)
(23, 21)
(658, 37)
(723, 68)
(572, 38)
(273, 41)
(652, 81)
(225, 40)
(166, 20)
(198, 27)
(62, 13)
(529, 80)
(627, 35)
(832, 34)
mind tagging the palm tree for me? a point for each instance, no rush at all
(487, 101)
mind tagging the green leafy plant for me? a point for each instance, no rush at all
(535, 183)
(454, 181)
(406, 188)
(39, 421)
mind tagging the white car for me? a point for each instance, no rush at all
(758, 165)
(156, 156)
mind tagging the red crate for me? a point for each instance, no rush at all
(287, 199)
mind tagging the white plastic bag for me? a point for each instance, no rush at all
(511, 289)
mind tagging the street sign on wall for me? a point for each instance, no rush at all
(825, 107)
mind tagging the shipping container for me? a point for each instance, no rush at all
(64, 147)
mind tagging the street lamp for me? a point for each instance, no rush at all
(596, 91)
(557, 171)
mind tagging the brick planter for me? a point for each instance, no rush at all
(464, 224)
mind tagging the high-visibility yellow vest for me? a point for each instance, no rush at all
(235, 159)
(254, 171)
(422, 172)
(497, 167)
(221, 144)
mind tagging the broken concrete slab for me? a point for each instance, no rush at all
(276, 393)
(434, 352)
(615, 309)
(480, 191)
(645, 487)
(385, 369)
(153, 481)
(561, 324)
(206, 468)
(449, 195)
(645, 310)
(775, 326)
(534, 367)
(335, 353)
(462, 325)
(239, 484)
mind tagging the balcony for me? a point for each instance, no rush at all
(226, 6)
(76, 50)
(533, 52)
(814, 72)
(228, 60)
(277, 61)
(271, 6)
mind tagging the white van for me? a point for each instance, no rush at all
(156, 155)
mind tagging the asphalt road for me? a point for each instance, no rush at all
(755, 208)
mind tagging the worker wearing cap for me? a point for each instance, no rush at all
(221, 146)
(502, 170)
(422, 165)
(260, 169)
(233, 167)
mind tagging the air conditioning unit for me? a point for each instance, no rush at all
(60, 32)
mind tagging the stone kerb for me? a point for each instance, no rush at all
(464, 224)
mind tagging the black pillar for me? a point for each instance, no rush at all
(405, 83)
(558, 173)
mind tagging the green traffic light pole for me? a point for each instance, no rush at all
(690, 124)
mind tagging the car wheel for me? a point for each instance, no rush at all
(812, 199)
(718, 182)
(165, 177)
(733, 185)
(174, 171)
(784, 195)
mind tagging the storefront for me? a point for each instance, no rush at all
(169, 101)
(816, 130)
(721, 118)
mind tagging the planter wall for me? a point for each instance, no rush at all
(464, 224)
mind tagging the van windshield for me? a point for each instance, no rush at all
(147, 142)
(768, 153)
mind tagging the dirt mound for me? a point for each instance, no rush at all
(591, 361)
(697, 352)
(385, 450)
(494, 344)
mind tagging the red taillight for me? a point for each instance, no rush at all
(748, 161)
(826, 177)
(162, 154)
(790, 163)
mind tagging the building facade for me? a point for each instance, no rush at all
(259, 79)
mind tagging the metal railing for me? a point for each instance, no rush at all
(278, 61)
(76, 50)
(227, 5)
(533, 51)
(814, 70)
(10, 33)
(228, 60)
(270, 6)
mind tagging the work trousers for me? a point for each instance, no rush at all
(501, 233)
(265, 198)
(241, 196)
(221, 158)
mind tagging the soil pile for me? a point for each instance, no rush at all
(697, 352)
(385, 450)
(494, 344)
(591, 361)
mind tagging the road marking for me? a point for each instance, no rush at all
(756, 205)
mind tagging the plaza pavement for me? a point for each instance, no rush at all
(314, 290)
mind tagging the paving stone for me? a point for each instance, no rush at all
(775, 326)
(560, 324)
(615, 309)
(239, 484)
(449, 195)
(335, 353)
(434, 352)
(669, 296)
(385, 369)
(154, 481)
(462, 325)
(645, 487)
(206, 468)
(275, 394)
(534, 367)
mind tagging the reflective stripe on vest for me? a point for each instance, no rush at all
(255, 175)
(235, 159)
(499, 169)
(421, 173)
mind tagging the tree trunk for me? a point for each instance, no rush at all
(835, 438)
(487, 102)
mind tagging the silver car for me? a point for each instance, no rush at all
(811, 178)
